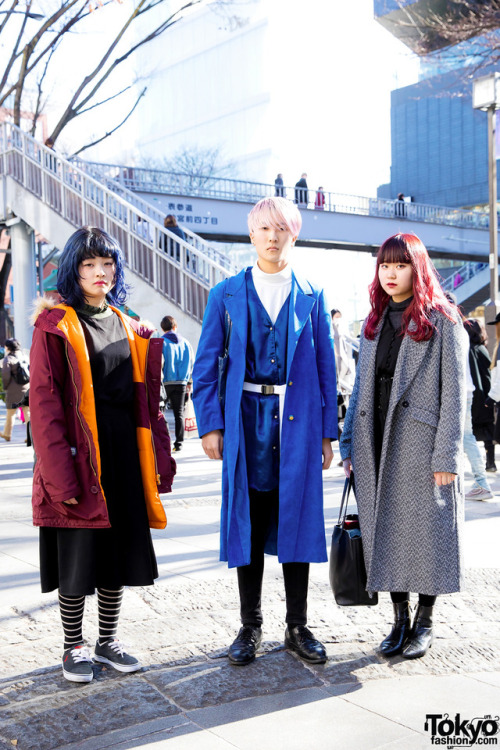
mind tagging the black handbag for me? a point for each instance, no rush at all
(222, 363)
(347, 565)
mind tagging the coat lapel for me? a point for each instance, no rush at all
(410, 358)
(235, 300)
(301, 304)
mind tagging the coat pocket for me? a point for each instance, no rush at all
(424, 415)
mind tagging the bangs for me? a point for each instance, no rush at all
(278, 213)
(394, 250)
(98, 244)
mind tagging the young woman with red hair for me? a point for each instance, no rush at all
(403, 438)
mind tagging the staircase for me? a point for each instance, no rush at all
(470, 284)
(56, 196)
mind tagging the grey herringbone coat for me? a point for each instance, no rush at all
(411, 527)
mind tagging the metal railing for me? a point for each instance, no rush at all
(102, 175)
(177, 183)
(462, 274)
(181, 270)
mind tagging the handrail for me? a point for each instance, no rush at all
(462, 275)
(92, 168)
(180, 270)
(223, 188)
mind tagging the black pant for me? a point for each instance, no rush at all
(264, 508)
(176, 394)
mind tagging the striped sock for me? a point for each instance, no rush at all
(109, 603)
(71, 609)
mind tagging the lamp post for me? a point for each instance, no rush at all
(486, 96)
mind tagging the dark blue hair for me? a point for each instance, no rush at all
(85, 243)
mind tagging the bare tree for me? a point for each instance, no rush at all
(201, 165)
(431, 28)
(31, 54)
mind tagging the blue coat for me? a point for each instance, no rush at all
(310, 415)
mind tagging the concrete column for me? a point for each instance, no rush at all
(23, 270)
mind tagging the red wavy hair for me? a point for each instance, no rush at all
(427, 292)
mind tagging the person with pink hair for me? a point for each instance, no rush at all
(271, 419)
(403, 439)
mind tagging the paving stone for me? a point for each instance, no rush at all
(85, 713)
(210, 684)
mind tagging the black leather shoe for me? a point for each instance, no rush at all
(300, 639)
(421, 635)
(243, 649)
(400, 632)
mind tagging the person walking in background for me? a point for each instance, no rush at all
(279, 190)
(400, 206)
(170, 223)
(102, 448)
(177, 368)
(483, 416)
(345, 366)
(301, 194)
(15, 379)
(167, 244)
(480, 490)
(319, 201)
(493, 397)
(279, 417)
(403, 439)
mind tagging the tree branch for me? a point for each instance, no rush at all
(105, 101)
(99, 140)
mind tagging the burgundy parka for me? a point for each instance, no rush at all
(64, 438)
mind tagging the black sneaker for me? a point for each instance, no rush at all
(113, 653)
(77, 664)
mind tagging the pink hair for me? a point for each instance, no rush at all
(427, 292)
(277, 213)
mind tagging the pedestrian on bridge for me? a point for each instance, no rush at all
(403, 439)
(102, 448)
(301, 194)
(273, 427)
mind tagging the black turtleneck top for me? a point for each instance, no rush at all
(389, 344)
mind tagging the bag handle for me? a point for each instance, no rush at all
(348, 485)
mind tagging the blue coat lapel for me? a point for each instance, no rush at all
(235, 300)
(301, 304)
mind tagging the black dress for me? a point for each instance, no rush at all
(77, 561)
(389, 344)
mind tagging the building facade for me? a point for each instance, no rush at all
(439, 145)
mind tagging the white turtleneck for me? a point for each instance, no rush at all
(272, 288)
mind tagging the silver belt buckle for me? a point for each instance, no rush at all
(267, 390)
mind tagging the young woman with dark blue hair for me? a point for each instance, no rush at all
(102, 447)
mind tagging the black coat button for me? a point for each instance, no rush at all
(405, 404)
(363, 413)
(94, 490)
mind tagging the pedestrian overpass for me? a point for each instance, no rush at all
(42, 192)
(217, 209)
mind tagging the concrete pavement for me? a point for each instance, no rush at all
(188, 696)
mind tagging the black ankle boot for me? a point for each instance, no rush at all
(396, 639)
(421, 635)
(490, 458)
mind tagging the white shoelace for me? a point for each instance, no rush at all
(82, 653)
(117, 646)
